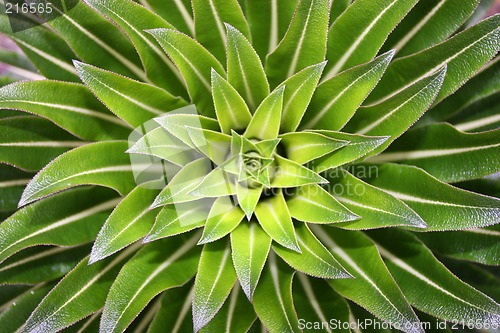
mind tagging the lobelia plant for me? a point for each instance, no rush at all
(293, 166)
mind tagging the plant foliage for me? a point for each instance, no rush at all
(292, 163)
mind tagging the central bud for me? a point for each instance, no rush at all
(253, 162)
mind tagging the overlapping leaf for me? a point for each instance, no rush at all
(134, 20)
(428, 23)
(441, 206)
(195, 64)
(40, 264)
(78, 295)
(84, 165)
(335, 100)
(357, 35)
(314, 259)
(30, 143)
(69, 218)
(273, 300)
(428, 284)
(132, 101)
(360, 257)
(131, 219)
(249, 248)
(464, 54)
(376, 208)
(210, 15)
(446, 153)
(157, 266)
(214, 281)
(71, 106)
(477, 245)
(304, 43)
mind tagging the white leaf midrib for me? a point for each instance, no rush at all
(428, 153)
(403, 265)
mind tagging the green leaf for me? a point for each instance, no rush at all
(195, 64)
(209, 19)
(248, 198)
(442, 206)
(71, 106)
(177, 123)
(265, 123)
(298, 93)
(156, 267)
(304, 43)
(312, 203)
(102, 163)
(291, 174)
(244, 69)
(178, 188)
(222, 219)
(302, 147)
(336, 100)
(477, 245)
(464, 54)
(131, 219)
(40, 264)
(87, 325)
(232, 111)
(236, 316)
(69, 218)
(162, 144)
(78, 295)
(396, 114)
(10, 293)
(445, 152)
(419, 273)
(45, 48)
(214, 145)
(178, 218)
(21, 65)
(427, 24)
(32, 142)
(483, 278)
(269, 20)
(12, 183)
(360, 257)
(316, 302)
(480, 116)
(174, 315)
(358, 146)
(273, 301)
(94, 39)
(377, 208)
(133, 101)
(134, 19)
(12, 319)
(357, 35)
(337, 8)
(250, 246)
(216, 184)
(483, 85)
(179, 13)
(315, 260)
(214, 281)
(274, 218)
